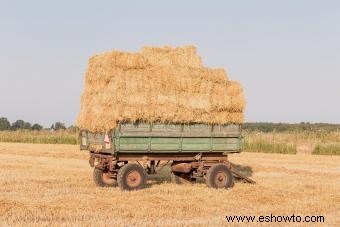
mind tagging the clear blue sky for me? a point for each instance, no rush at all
(285, 53)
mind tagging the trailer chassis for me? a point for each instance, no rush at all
(130, 170)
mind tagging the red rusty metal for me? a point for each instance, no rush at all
(181, 167)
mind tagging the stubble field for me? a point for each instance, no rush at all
(47, 184)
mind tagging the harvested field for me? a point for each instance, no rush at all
(51, 185)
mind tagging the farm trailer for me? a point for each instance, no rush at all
(126, 155)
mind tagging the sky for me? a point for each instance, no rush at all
(286, 54)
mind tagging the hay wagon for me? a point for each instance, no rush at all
(126, 155)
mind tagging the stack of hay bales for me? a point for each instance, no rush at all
(168, 85)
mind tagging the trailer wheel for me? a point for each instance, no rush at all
(219, 176)
(180, 178)
(103, 179)
(131, 176)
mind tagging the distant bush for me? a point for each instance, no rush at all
(327, 149)
(266, 147)
(42, 136)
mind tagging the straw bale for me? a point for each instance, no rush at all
(119, 59)
(157, 85)
(181, 56)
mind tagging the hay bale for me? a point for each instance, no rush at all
(157, 85)
(180, 56)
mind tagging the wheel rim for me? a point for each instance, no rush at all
(221, 179)
(133, 179)
(107, 179)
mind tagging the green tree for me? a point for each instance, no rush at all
(19, 124)
(37, 127)
(59, 126)
(4, 124)
(27, 126)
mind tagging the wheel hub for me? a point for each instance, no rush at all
(133, 179)
(221, 179)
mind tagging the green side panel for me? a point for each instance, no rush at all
(173, 138)
(196, 144)
(165, 147)
(165, 144)
(96, 138)
(225, 140)
(174, 144)
(196, 141)
(141, 127)
(133, 147)
(225, 144)
(165, 141)
(196, 147)
(225, 147)
(166, 128)
(133, 140)
(198, 128)
(133, 144)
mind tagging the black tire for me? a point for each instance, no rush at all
(219, 176)
(181, 178)
(131, 177)
(103, 179)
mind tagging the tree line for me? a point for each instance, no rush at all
(23, 125)
(250, 126)
(285, 127)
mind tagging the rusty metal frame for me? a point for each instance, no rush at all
(162, 157)
(199, 163)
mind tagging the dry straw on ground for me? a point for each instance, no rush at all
(157, 85)
(51, 185)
